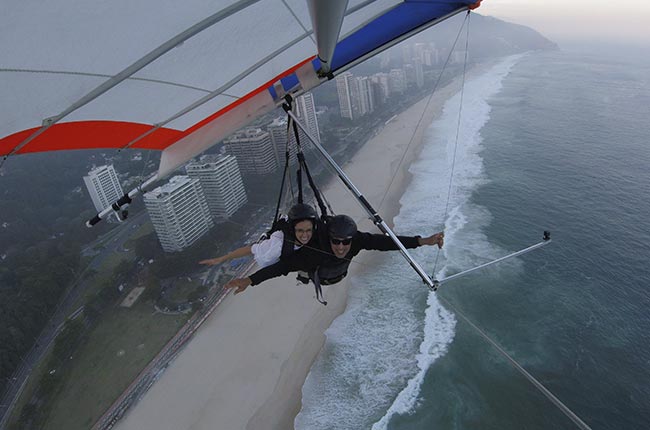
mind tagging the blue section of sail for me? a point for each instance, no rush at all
(289, 82)
(391, 25)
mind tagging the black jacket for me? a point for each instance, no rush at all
(311, 259)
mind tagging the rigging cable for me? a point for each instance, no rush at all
(535, 382)
(426, 108)
(545, 391)
(453, 161)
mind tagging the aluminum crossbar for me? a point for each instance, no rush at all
(546, 241)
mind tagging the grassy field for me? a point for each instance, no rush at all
(118, 348)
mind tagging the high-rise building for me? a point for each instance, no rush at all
(103, 186)
(179, 212)
(397, 81)
(431, 57)
(355, 95)
(221, 183)
(254, 151)
(409, 73)
(278, 132)
(378, 95)
(306, 113)
(419, 49)
(384, 59)
(366, 97)
(344, 83)
(407, 53)
(383, 83)
(419, 73)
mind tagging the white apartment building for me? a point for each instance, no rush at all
(179, 213)
(384, 59)
(254, 151)
(419, 73)
(278, 132)
(382, 82)
(306, 113)
(407, 52)
(221, 183)
(397, 80)
(305, 110)
(103, 186)
(344, 84)
(366, 97)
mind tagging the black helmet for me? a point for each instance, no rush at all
(341, 227)
(300, 212)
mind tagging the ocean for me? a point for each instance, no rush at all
(553, 141)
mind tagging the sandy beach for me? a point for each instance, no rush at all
(246, 365)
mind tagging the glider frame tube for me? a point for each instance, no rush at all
(546, 241)
(380, 223)
(327, 18)
(117, 206)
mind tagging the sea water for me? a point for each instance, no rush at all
(554, 141)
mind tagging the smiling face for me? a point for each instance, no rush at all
(340, 247)
(303, 230)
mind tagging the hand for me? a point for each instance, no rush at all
(434, 239)
(239, 283)
(212, 261)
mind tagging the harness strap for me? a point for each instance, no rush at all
(318, 288)
(312, 184)
(302, 163)
(284, 177)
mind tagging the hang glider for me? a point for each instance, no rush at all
(179, 78)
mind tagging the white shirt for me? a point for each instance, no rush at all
(268, 251)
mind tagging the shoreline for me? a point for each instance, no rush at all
(247, 364)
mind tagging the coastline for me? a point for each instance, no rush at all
(246, 365)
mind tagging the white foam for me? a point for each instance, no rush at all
(378, 352)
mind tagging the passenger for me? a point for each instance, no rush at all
(291, 234)
(329, 264)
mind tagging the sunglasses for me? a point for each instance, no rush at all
(341, 241)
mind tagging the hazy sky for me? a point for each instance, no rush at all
(607, 21)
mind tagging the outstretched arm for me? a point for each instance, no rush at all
(381, 242)
(239, 283)
(434, 239)
(306, 260)
(237, 253)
